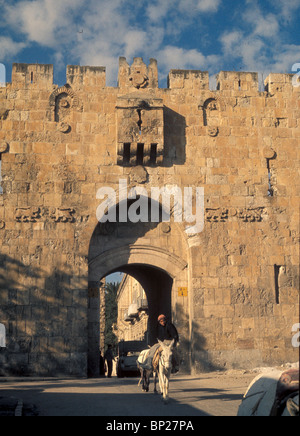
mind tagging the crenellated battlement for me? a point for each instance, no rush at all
(24, 75)
(138, 75)
(237, 81)
(141, 76)
(80, 76)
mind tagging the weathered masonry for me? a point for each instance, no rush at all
(232, 290)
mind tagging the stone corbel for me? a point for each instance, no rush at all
(4, 114)
(4, 147)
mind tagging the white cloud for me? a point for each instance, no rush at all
(260, 47)
(107, 32)
(252, 54)
(246, 51)
(42, 21)
(180, 58)
(195, 6)
(286, 58)
(208, 5)
(172, 57)
(159, 9)
(288, 7)
(9, 48)
(230, 41)
(107, 37)
(265, 26)
(134, 41)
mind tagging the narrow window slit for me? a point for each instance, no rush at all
(277, 289)
(126, 154)
(271, 190)
(140, 122)
(140, 154)
(153, 154)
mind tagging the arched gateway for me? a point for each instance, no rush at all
(158, 260)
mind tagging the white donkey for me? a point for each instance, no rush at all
(164, 368)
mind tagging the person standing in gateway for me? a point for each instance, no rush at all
(109, 357)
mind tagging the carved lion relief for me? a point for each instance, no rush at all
(57, 215)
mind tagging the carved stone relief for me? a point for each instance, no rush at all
(216, 215)
(138, 175)
(250, 215)
(140, 130)
(68, 215)
(281, 122)
(3, 147)
(138, 79)
(166, 228)
(213, 131)
(4, 114)
(139, 74)
(212, 108)
(28, 214)
(61, 102)
(211, 117)
(63, 127)
(57, 215)
(75, 103)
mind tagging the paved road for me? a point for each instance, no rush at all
(207, 395)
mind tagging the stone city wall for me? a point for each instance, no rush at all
(234, 295)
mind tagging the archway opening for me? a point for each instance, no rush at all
(135, 319)
(157, 285)
(153, 252)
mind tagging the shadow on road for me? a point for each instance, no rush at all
(100, 397)
(189, 397)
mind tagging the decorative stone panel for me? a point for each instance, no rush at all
(140, 130)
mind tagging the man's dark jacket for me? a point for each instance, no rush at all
(167, 332)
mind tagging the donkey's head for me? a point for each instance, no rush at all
(167, 353)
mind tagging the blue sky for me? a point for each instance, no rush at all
(210, 35)
(114, 278)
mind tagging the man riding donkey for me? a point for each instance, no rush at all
(166, 331)
(149, 359)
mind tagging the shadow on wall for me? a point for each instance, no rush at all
(45, 321)
(201, 359)
(175, 138)
(195, 349)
